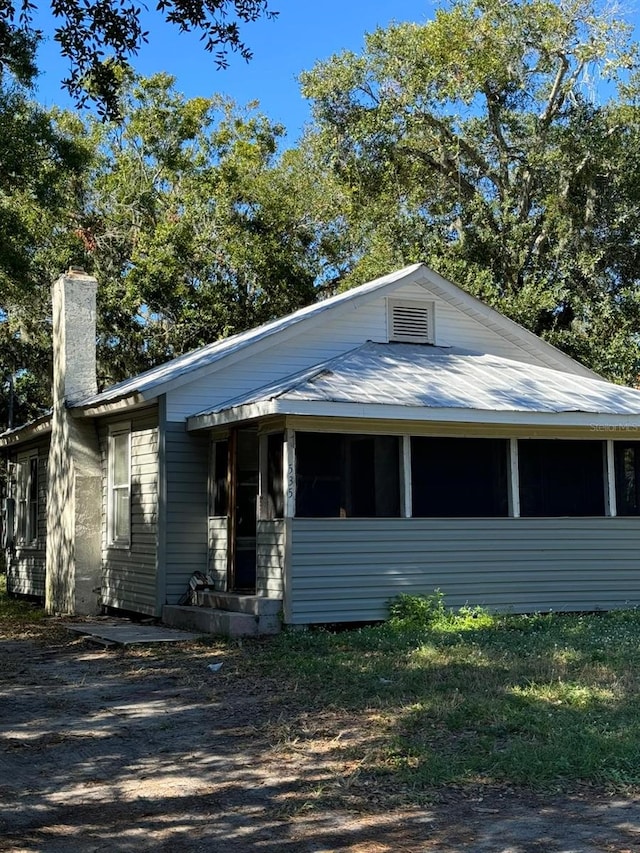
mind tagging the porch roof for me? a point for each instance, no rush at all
(394, 380)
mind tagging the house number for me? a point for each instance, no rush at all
(290, 479)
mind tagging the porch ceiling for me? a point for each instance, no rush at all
(409, 381)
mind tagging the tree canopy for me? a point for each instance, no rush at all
(99, 38)
(498, 142)
(488, 142)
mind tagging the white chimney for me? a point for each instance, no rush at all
(74, 336)
(74, 484)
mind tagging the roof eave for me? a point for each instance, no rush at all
(599, 422)
(20, 435)
(127, 402)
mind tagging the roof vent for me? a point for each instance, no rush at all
(411, 321)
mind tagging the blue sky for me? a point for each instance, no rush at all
(304, 32)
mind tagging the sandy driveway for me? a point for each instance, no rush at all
(148, 750)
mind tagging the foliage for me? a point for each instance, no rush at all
(39, 163)
(191, 224)
(16, 612)
(98, 37)
(545, 700)
(478, 142)
(417, 611)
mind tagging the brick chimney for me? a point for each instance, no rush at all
(74, 482)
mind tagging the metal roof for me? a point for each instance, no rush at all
(414, 375)
(147, 382)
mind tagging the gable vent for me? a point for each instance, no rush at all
(411, 321)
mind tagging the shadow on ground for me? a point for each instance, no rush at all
(151, 751)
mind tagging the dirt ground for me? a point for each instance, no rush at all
(124, 750)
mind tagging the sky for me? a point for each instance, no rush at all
(305, 31)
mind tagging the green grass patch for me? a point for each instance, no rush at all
(16, 612)
(454, 698)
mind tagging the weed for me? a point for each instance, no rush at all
(467, 696)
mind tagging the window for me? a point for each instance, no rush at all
(120, 487)
(27, 493)
(219, 499)
(627, 468)
(459, 477)
(275, 476)
(349, 476)
(561, 478)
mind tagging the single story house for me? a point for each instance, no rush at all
(396, 438)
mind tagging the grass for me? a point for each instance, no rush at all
(16, 612)
(435, 698)
(547, 701)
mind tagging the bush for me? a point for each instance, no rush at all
(418, 611)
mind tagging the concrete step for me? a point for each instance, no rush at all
(225, 623)
(256, 605)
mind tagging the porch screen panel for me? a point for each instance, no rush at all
(220, 481)
(349, 476)
(275, 475)
(318, 467)
(459, 477)
(561, 477)
(627, 468)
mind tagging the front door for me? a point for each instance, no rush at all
(243, 458)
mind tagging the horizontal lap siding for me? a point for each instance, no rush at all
(270, 558)
(186, 545)
(218, 539)
(349, 569)
(129, 575)
(26, 567)
(343, 332)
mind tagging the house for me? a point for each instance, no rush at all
(396, 438)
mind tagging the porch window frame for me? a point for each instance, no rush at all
(114, 538)
(27, 507)
(292, 469)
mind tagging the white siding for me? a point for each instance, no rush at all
(310, 346)
(303, 347)
(345, 570)
(270, 558)
(186, 533)
(26, 566)
(218, 545)
(129, 574)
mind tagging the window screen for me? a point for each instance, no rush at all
(220, 490)
(275, 477)
(353, 476)
(627, 468)
(561, 477)
(459, 477)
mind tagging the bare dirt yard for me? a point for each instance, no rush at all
(148, 749)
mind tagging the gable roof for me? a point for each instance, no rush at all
(186, 368)
(394, 377)
(155, 380)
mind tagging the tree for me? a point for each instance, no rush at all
(191, 223)
(478, 142)
(100, 36)
(39, 163)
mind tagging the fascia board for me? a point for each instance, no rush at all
(27, 433)
(128, 403)
(599, 423)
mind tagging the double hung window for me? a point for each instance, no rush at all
(27, 492)
(119, 492)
